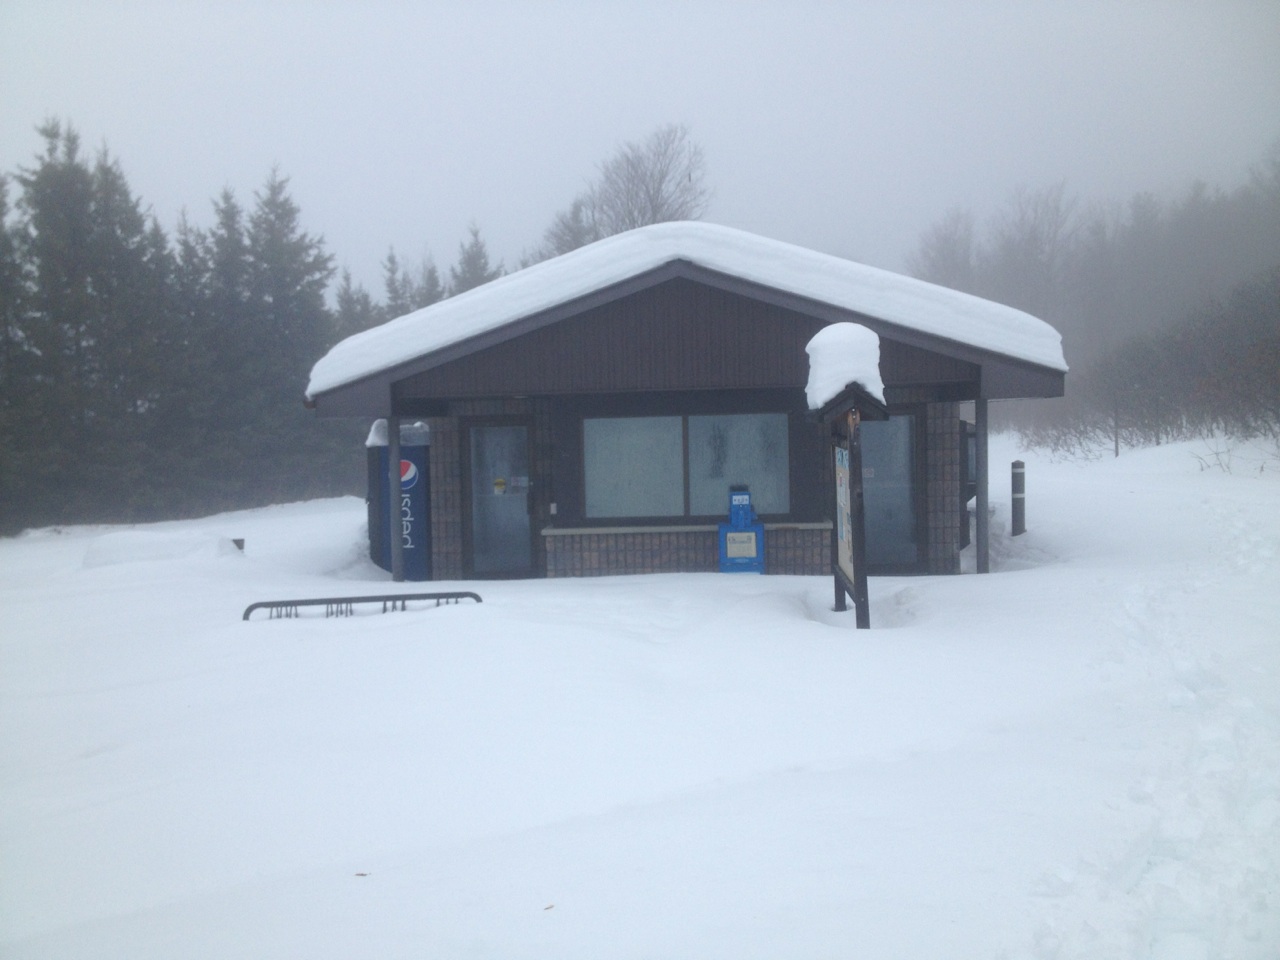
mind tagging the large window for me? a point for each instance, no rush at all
(684, 465)
(634, 466)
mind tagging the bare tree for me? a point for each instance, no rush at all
(660, 178)
(1030, 243)
(572, 228)
(948, 252)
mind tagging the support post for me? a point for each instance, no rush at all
(1019, 505)
(841, 604)
(394, 500)
(984, 514)
(857, 509)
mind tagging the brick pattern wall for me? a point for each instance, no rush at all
(446, 499)
(786, 550)
(942, 487)
(798, 551)
(600, 554)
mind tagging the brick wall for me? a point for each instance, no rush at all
(446, 499)
(600, 554)
(797, 550)
(588, 554)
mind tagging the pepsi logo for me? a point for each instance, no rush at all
(408, 474)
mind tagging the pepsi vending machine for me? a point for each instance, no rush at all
(410, 519)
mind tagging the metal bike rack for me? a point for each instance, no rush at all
(345, 606)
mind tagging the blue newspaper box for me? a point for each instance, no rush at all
(410, 519)
(742, 538)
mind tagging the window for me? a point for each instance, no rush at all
(684, 465)
(633, 467)
(733, 449)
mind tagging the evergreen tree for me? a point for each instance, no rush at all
(86, 350)
(56, 206)
(406, 293)
(428, 289)
(356, 310)
(14, 361)
(141, 379)
(397, 288)
(130, 373)
(473, 267)
(290, 329)
(289, 274)
(252, 293)
(225, 349)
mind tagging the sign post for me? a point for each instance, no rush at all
(845, 388)
(850, 532)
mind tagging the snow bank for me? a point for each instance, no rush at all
(839, 355)
(135, 546)
(1076, 757)
(887, 296)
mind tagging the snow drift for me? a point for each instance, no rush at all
(1077, 756)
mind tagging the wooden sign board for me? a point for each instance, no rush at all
(849, 548)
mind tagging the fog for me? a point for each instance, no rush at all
(846, 127)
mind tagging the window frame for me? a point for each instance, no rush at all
(805, 445)
(686, 481)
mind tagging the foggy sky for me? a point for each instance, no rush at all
(846, 127)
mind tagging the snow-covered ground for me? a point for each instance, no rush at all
(1075, 757)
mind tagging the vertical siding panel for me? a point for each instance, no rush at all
(675, 336)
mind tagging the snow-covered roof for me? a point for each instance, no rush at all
(841, 354)
(891, 297)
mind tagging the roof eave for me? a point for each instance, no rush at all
(1009, 376)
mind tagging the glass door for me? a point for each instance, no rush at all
(888, 491)
(501, 542)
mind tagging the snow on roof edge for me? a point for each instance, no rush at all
(890, 297)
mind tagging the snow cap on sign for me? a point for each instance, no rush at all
(839, 355)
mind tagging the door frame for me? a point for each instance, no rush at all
(467, 426)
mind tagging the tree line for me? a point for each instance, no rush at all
(149, 375)
(146, 374)
(1169, 310)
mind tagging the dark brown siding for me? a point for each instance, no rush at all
(678, 335)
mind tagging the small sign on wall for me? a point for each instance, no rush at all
(740, 544)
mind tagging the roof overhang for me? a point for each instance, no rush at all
(1003, 375)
